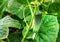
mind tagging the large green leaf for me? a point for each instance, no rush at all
(15, 8)
(47, 31)
(49, 28)
(5, 23)
(8, 21)
(4, 31)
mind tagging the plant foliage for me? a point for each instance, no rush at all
(29, 20)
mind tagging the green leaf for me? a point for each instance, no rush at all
(47, 31)
(5, 23)
(9, 22)
(49, 28)
(4, 31)
(2, 7)
(15, 8)
(54, 8)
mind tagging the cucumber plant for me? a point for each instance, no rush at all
(29, 20)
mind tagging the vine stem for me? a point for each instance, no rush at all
(27, 25)
(30, 25)
(25, 35)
